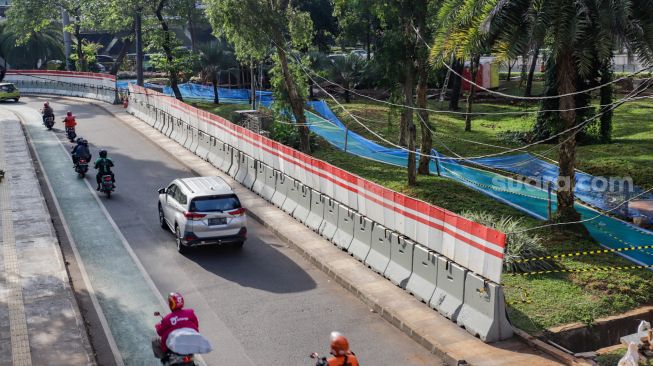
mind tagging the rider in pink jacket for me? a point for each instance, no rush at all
(178, 318)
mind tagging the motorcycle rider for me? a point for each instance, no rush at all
(69, 121)
(81, 150)
(341, 355)
(177, 319)
(47, 111)
(103, 164)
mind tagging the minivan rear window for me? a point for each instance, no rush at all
(215, 203)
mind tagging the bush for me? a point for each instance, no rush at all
(286, 133)
(519, 245)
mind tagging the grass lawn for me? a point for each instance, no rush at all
(553, 299)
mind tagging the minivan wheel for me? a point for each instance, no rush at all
(181, 248)
(239, 244)
(162, 219)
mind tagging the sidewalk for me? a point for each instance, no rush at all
(424, 325)
(40, 323)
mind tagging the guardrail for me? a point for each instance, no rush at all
(450, 263)
(65, 83)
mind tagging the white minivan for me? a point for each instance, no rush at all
(202, 211)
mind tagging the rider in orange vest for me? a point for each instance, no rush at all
(69, 121)
(341, 355)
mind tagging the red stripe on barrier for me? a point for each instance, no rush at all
(309, 163)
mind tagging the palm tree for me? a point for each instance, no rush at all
(580, 35)
(348, 71)
(215, 57)
(455, 22)
(40, 47)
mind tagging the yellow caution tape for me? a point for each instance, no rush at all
(585, 252)
(593, 269)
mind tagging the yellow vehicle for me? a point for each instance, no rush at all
(9, 91)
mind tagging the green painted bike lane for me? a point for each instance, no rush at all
(126, 297)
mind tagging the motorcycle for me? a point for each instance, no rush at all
(70, 133)
(82, 167)
(48, 121)
(106, 185)
(321, 361)
(182, 345)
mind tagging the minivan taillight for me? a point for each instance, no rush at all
(193, 215)
(237, 212)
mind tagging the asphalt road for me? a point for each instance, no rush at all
(263, 304)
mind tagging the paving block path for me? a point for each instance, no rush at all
(40, 323)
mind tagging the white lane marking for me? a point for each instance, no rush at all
(96, 304)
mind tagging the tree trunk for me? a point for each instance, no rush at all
(126, 45)
(347, 93)
(216, 95)
(296, 102)
(529, 81)
(510, 65)
(311, 95)
(524, 66)
(567, 76)
(81, 59)
(65, 21)
(172, 73)
(407, 121)
(191, 27)
(473, 71)
(252, 82)
(138, 30)
(456, 84)
(422, 85)
(368, 36)
(606, 99)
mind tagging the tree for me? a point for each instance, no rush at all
(422, 85)
(357, 22)
(580, 35)
(216, 56)
(254, 25)
(325, 24)
(347, 71)
(456, 37)
(36, 50)
(26, 17)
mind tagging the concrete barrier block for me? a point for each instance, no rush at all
(345, 231)
(227, 157)
(251, 172)
(423, 279)
(330, 223)
(450, 289)
(303, 208)
(483, 313)
(203, 145)
(316, 214)
(215, 155)
(235, 162)
(382, 240)
(281, 188)
(194, 143)
(362, 241)
(241, 173)
(270, 183)
(401, 262)
(188, 137)
(259, 178)
(292, 197)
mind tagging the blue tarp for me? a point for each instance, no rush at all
(608, 231)
(605, 194)
(205, 92)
